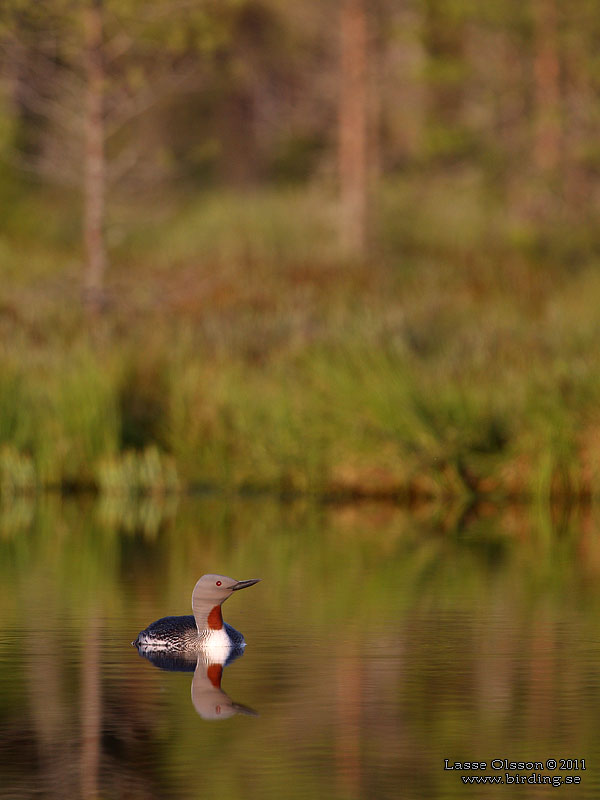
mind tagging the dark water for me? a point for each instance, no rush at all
(380, 642)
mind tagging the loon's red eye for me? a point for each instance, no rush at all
(218, 583)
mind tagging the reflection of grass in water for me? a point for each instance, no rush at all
(420, 630)
(131, 513)
(353, 556)
(241, 350)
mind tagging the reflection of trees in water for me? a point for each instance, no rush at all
(91, 710)
(349, 700)
(84, 736)
(56, 747)
(381, 706)
(398, 638)
(49, 715)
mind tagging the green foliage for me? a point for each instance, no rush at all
(17, 473)
(243, 352)
(137, 472)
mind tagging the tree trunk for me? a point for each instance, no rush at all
(353, 127)
(237, 139)
(547, 141)
(444, 41)
(94, 161)
(578, 109)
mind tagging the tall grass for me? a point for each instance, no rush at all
(241, 350)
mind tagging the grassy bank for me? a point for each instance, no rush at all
(240, 349)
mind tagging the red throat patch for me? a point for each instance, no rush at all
(215, 619)
(213, 673)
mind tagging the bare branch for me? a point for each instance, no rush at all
(122, 111)
(123, 164)
(115, 48)
(60, 114)
(57, 164)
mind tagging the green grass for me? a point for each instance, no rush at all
(242, 350)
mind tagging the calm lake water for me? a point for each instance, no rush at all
(379, 643)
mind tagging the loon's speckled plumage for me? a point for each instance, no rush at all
(181, 633)
(202, 630)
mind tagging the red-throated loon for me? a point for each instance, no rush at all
(205, 629)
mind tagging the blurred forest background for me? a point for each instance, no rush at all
(331, 246)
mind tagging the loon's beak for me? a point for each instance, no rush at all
(250, 712)
(244, 584)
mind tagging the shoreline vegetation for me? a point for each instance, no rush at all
(334, 251)
(241, 350)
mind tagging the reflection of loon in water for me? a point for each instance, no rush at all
(201, 642)
(205, 629)
(209, 700)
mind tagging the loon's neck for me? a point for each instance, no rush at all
(209, 620)
(207, 612)
(214, 619)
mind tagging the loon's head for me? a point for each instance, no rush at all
(209, 592)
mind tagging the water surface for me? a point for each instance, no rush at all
(380, 642)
